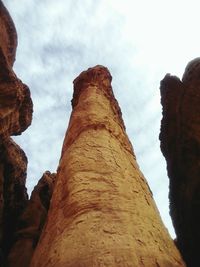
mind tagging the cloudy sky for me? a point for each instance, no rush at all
(139, 41)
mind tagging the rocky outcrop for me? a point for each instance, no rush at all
(31, 222)
(102, 212)
(8, 40)
(13, 164)
(15, 116)
(180, 144)
(15, 102)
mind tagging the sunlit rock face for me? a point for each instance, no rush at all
(180, 144)
(102, 212)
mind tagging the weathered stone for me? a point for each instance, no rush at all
(180, 144)
(102, 212)
(8, 40)
(31, 222)
(15, 116)
(15, 102)
(13, 196)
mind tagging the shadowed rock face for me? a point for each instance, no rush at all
(180, 144)
(31, 222)
(102, 212)
(13, 164)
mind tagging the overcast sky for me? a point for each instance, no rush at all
(139, 41)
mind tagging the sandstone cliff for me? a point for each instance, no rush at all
(180, 144)
(102, 212)
(15, 117)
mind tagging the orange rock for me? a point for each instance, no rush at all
(102, 212)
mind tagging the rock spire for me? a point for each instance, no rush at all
(102, 212)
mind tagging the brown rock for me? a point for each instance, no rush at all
(180, 144)
(8, 40)
(13, 196)
(15, 102)
(31, 222)
(15, 116)
(102, 212)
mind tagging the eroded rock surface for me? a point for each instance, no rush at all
(102, 212)
(13, 196)
(15, 116)
(31, 222)
(180, 144)
(8, 34)
(15, 102)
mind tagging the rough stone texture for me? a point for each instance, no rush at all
(15, 116)
(8, 35)
(102, 212)
(31, 222)
(15, 102)
(13, 196)
(180, 144)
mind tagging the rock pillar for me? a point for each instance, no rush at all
(102, 212)
(180, 144)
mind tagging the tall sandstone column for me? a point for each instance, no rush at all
(180, 144)
(102, 212)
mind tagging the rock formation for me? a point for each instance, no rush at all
(180, 144)
(13, 192)
(102, 212)
(15, 117)
(31, 222)
(15, 101)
